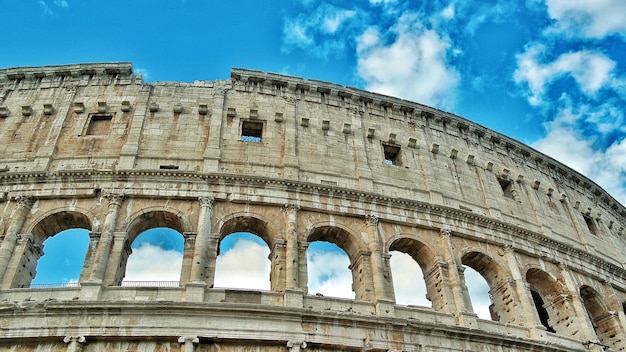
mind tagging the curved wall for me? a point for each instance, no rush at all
(293, 161)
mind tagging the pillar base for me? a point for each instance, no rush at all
(385, 307)
(90, 290)
(194, 291)
(294, 298)
(467, 319)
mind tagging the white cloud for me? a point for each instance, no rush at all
(145, 74)
(61, 3)
(245, 265)
(412, 66)
(323, 33)
(591, 70)
(588, 18)
(153, 263)
(329, 274)
(566, 140)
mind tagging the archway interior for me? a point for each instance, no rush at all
(541, 311)
(157, 256)
(328, 270)
(243, 262)
(408, 280)
(63, 258)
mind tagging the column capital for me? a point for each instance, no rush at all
(206, 201)
(25, 201)
(290, 207)
(445, 232)
(79, 339)
(371, 220)
(114, 198)
(188, 339)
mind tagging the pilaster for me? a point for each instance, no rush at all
(103, 252)
(22, 208)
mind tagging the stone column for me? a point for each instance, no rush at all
(22, 266)
(24, 204)
(439, 289)
(200, 264)
(291, 235)
(378, 270)
(455, 272)
(188, 343)
(104, 246)
(581, 317)
(94, 239)
(530, 317)
(74, 343)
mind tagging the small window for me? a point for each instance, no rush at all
(392, 155)
(590, 225)
(507, 188)
(251, 131)
(99, 125)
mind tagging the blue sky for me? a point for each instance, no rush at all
(550, 73)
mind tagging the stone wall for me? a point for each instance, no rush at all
(293, 161)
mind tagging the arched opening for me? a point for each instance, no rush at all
(331, 250)
(246, 256)
(243, 262)
(155, 242)
(156, 258)
(544, 289)
(62, 260)
(478, 290)
(66, 251)
(605, 323)
(486, 282)
(408, 280)
(328, 270)
(542, 312)
(410, 259)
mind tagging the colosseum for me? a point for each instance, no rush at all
(292, 161)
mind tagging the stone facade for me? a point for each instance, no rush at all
(293, 161)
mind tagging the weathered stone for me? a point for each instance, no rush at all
(293, 161)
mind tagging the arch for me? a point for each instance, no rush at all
(63, 258)
(429, 272)
(156, 217)
(346, 241)
(141, 221)
(605, 322)
(338, 235)
(499, 286)
(156, 257)
(44, 227)
(552, 303)
(252, 223)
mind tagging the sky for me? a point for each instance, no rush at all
(549, 73)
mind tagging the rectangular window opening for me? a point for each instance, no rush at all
(507, 188)
(590, 224)
(392, 155)
(99, 125)
(251, 131)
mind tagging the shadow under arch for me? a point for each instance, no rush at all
(251, 223)
(501, 309)
(427, 260)
(153, 218)
(544, 289)
(57, 221)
